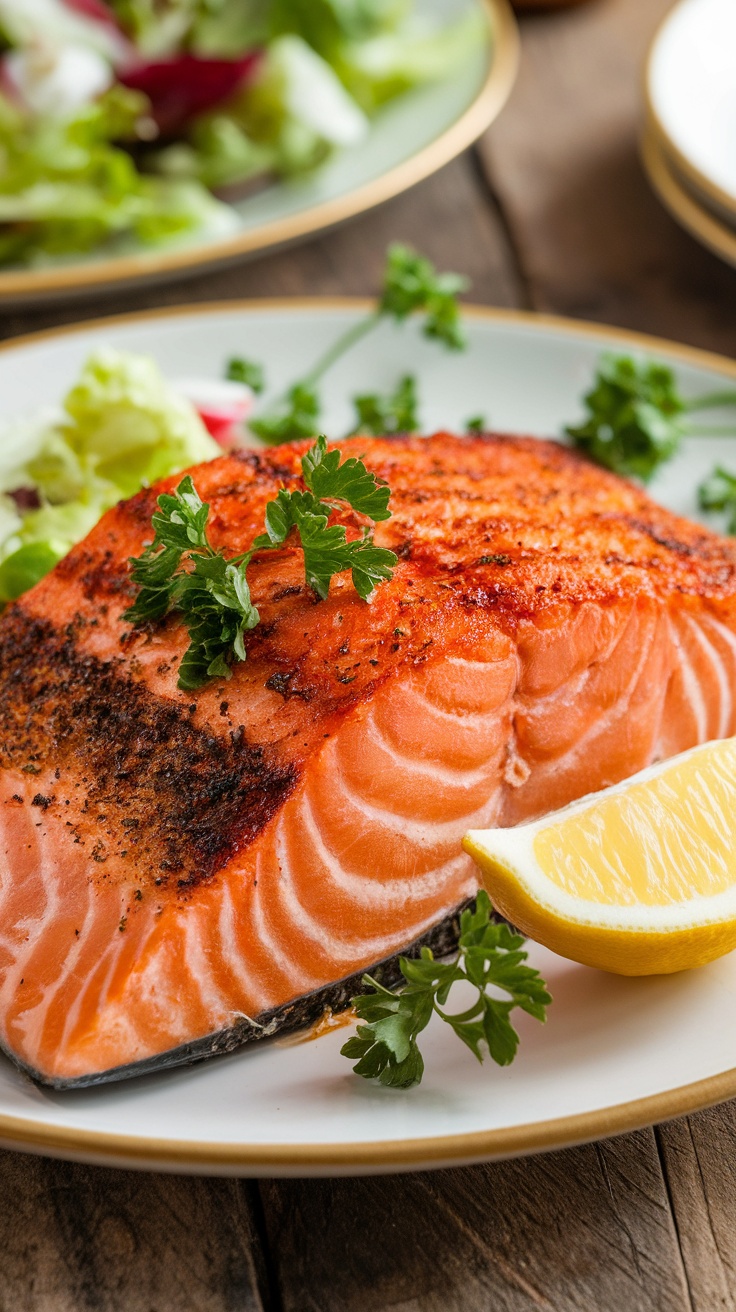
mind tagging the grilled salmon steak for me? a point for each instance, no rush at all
(180, 872)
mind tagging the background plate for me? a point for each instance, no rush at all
(408, 140)
(691, 97)
(616, 1053)
(674, 194)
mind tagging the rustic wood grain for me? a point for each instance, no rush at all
(591, 238)
(448, 217)
(586, 1230)
(699, 1156)
(84, 1239)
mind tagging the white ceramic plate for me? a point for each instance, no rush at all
(615, 1053)
(410, 139)
(677, 195)
(691, 96)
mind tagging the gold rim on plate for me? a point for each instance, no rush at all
(382, 1155)
(27, 285)
(709, 190)
(709, 230)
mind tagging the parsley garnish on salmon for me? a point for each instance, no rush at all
(181, 571)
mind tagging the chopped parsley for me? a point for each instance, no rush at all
(384, 415)
(476, 425)
(239, 370)
(637, 416)
(718, 492)
(411, 285)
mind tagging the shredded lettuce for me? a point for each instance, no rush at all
(128, 425)
(219, 153)
(54, 23)
(215, 29)
(224, 28)
(158, 28)
(25, 567)
(312, 94)
(390, 63)
(69, 182)
(121, 427)
(286, 120)
(326, 24)
(227, 28)
(65, 188)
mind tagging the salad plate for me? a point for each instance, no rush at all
(616, 1053)
(409, 138)
(690, 90)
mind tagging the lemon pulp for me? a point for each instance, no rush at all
(638, 879)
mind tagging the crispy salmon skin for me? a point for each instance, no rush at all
(181, 871)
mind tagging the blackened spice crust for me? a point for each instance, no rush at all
(180, 800)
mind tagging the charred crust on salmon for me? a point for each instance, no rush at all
(191, 796)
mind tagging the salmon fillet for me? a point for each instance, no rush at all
(180, 872)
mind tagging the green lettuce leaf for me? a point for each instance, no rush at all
(159, 28)
(215, 29)
(25, 567)
(227, 28)
(377, 70)
(224, 29)
(286, 120)
(121, 427)
(65, 188)
(328, 65)
(326, 24)
(124, 422)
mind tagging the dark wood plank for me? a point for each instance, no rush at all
(448, 217)
(586, 1230)
(592, 239)
(699, 1155)
(80, 1239)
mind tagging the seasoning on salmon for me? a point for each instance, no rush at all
(181, 871)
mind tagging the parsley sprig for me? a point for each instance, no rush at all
(718, 492)
(637, 416)
(411, 285)
(490, 957)
(240, 370)
(382, 415)
(181, 571)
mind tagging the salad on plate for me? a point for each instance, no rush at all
(133, 124)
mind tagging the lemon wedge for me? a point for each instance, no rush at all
(639, 879)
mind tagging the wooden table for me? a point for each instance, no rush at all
(551, 213)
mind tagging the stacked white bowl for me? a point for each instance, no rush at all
(689, 141)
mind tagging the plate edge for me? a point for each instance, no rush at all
(697, 356)
(704, 226)
(180, 1156)
(699, 180)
